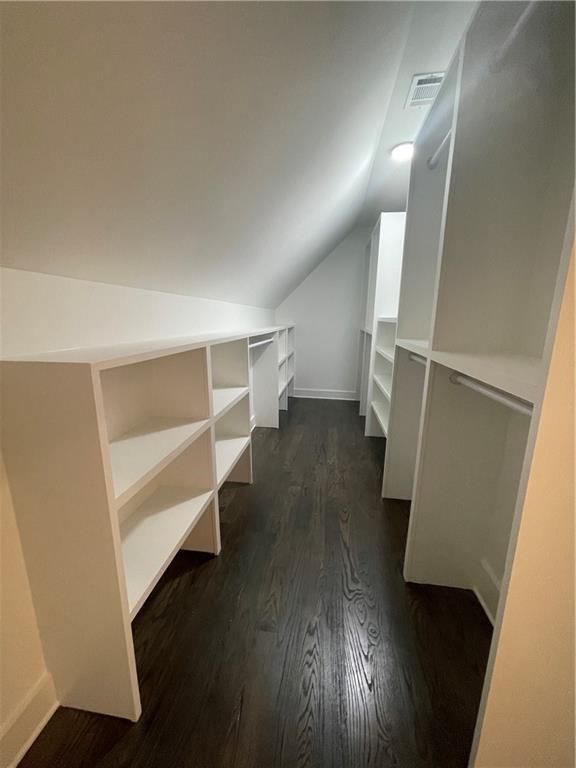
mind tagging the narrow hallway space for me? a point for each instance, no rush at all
(301, 645)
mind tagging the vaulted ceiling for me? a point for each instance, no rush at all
(212, 149)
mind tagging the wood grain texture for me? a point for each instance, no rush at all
(301, 646)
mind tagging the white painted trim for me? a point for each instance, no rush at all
(327, 394)
(24, 725)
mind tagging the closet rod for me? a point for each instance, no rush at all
(417, 358)
(494, 394)
(433, 159)
(260, 343)
(499, 57)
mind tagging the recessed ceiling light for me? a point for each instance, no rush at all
(403, 152)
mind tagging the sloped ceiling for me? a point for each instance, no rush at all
(212, 149)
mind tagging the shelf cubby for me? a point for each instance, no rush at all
(471, 459)
(404, 426)
(282, 344)
(152, 410)
(232, 444)
(383, 370)
(263, 380)
(290, 339)
(510, 192)
(425, 210)
(381, 408)
(161, 518)
(230, 374)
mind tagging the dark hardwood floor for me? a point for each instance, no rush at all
(300, 645)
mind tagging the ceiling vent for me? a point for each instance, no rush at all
(424, 89)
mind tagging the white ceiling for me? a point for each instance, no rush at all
(212, 149)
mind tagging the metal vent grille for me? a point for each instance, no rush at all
(424, 89)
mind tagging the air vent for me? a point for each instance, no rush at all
(424, 89)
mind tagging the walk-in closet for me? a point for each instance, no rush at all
(287, 384)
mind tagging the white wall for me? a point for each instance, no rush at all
(328, 312)
(28, 697)
(41, 312)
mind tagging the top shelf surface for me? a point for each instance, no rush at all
(135, 352)
(418, 346)
(516, 374)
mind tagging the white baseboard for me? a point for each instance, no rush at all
(327, 394)
(18, 733)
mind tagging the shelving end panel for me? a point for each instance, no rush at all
(53, 447)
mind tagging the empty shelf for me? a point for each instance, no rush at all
(387, 354)
(516, 374)
(152, 536)
(384, 385)
(225, 397)
(392, 320)
(138, 455)
(382, 416)
(419, 346)
(283, 387)
(228, 451)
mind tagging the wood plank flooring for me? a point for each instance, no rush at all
(301, 645)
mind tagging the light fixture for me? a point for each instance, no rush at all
(402, 152)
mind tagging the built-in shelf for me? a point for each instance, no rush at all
(367, 331)
(381, 413)
(228, 451)
(384, 385)
(418, 346)
(391, 320)
(139, 454)
(225, 397)
(282, 388)
(153, 534)
(387, 354)
(515, 374)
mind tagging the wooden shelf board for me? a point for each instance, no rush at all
(367, 331)
(283, 387)
(418, 346)
(283, 360)
(387, 354)
(228, 451)
(152, 536)
(224, 398)
(138, 455)
(381, 416)
(515, 374)
(391, 320)
(383, 385)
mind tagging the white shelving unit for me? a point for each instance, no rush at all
(115, 457)
(488, 237)
(263, 380)
(272, 369)
(286, 365)
(383, 268)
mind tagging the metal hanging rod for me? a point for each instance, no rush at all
(260, 343)
(499, 57)
(417, 358)
(433, 159)
(521, 406)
